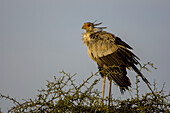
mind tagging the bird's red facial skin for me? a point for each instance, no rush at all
(86, 25)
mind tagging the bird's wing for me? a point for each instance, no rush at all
(101, 44)
(110, 49)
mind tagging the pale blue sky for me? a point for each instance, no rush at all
(40, 38)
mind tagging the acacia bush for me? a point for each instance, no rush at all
(63, 95)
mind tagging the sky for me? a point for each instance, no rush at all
(40, 38)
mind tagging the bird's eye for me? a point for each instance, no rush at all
(88, 25)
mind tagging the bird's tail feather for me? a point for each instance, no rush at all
(143, 78)
(140, 74)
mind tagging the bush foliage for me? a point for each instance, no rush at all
(63, 95)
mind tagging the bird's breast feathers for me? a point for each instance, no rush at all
(86, 38)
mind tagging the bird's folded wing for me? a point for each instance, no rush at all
(102, 45)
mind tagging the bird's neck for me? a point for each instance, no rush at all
(86, 37)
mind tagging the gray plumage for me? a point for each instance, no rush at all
(112, 55)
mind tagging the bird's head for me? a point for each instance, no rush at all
(90, 27)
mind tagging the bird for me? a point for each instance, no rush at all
(112, 55)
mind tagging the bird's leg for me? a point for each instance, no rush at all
(104, 78)
(110, 84)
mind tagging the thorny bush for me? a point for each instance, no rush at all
(63, 95)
